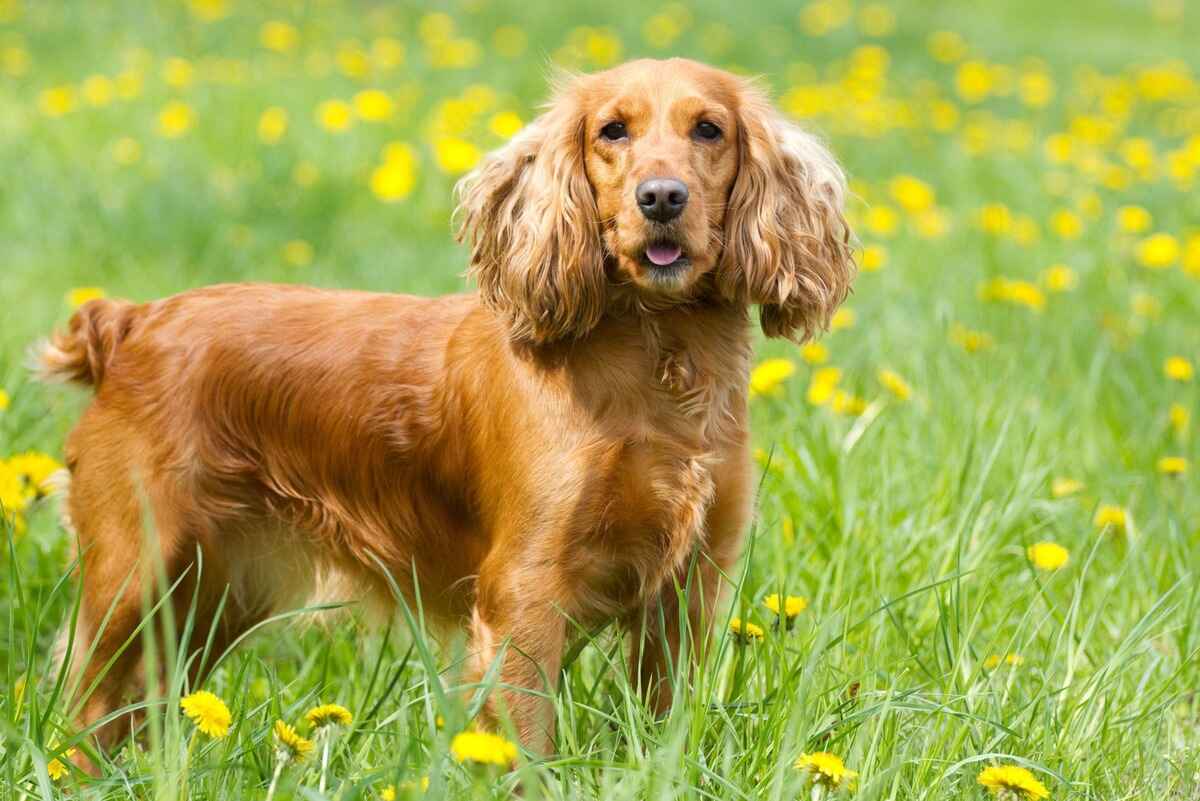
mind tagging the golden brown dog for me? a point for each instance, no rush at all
(561, 445)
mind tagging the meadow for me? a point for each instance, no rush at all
(978, 489)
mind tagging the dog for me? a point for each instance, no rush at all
(568, 445)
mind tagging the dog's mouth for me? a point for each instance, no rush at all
(664, 255)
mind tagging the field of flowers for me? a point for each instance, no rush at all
(976, 567)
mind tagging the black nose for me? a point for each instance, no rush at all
(662, 199)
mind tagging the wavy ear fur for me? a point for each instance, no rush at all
(787, 244)
(532, 223)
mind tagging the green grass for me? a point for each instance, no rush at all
(905, 528)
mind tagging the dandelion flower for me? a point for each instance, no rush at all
(847, 404)
(4, 400)
(208, 712)
(455, 155)
(56, 769)
(278, 36)
(505, 124)
(843, 318)
(373, 105)
(995, 660)
(335, 116)
(814, 353)
(823, 385)
(787, 608)
(1172, 465)
(1133, 219)
(825, 769)
(325, 715)
(1108, 515)
(395, 178)
(768, 377)
(1177, 368)
(1047, 555)
(36, 470)
(1158, 251)
(82, 294)
(895, 384)
(483, 749)
(745, 631)
(874, 257)
(289, 745)
(970, 341)
(1062, 487)
(176, 119)
(272, 125)
(1059, 278)
(913, 194)
(1012, 783)
(1178, 415)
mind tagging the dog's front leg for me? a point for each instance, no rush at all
(515, 614)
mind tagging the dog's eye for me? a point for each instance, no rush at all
(707, 131)
(614, 131)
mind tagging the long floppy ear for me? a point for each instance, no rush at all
(787, 244)
(534, 231)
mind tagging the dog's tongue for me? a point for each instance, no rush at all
(662, 255)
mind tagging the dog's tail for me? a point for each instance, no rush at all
(83, 353)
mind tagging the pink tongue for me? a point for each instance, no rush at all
(662, 255)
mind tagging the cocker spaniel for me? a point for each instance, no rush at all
(569, 443)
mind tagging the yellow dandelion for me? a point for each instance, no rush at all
(847, 404)
(36, 470)
(1062, 487)
(788, 606)
(4, 400)
(946, 46)
(825, 769)
(208, 712)
(768, 377)
(996, 660)
(209, 10)
(1047, 555)
(974, 81)
(1172, 465)
(482, 748)
(882, 220)
(1066, 224)
(822, 385)
(1178, 368)
(505, 124)
(1011, 783)
(1133, 219)
(373, 105)
(178, 73)
(995, 218)
(1059, 278)
(842, 319)
(895, 384)
(335, 116)
(272, 125)
(814, 353)
(176, 119)
(1179, 416)
(745, 631)
(57, 101)
(82, 294)
(325, 715)
(289, 744)
(874, 258)
(1159, 251)
(97, 90)
(1109, 516)
(970, 341)
(56, 769)
(279, 36)
(454, 155)
(1019, 293)
(395, 178)
(913, 194)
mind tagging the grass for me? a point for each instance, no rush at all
(905, 524)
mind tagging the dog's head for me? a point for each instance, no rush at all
(668, 177)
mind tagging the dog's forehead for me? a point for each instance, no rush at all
(648, 81)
